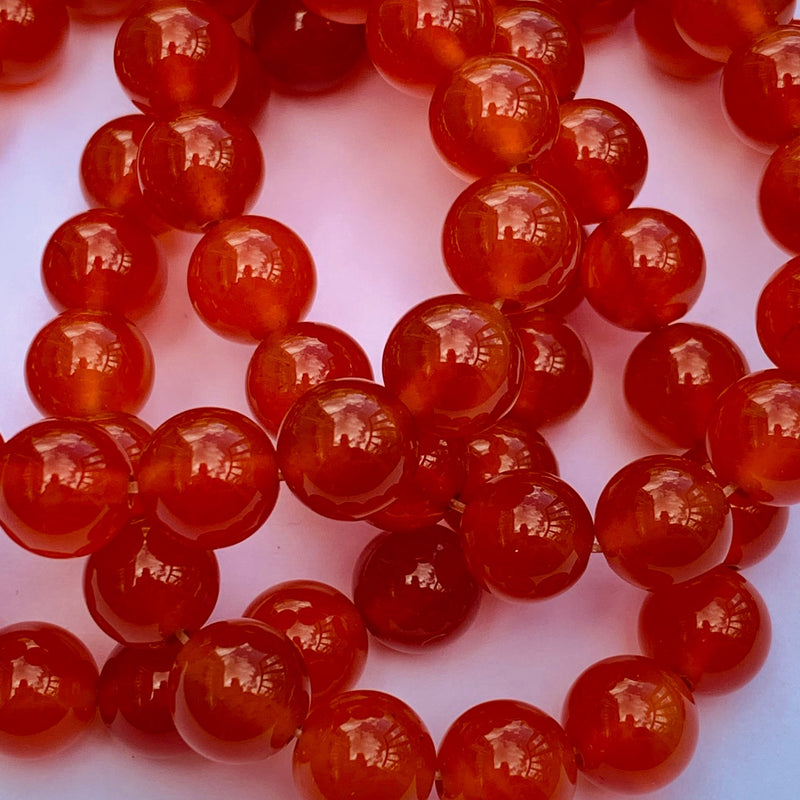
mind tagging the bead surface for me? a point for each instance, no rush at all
(757, 530)
(778, 317)
(252, 92)
(349, 12)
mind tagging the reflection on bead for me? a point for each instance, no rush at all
(778, 315)
(757, 530)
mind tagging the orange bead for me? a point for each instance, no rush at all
(249, 99)
(778, 317)
(598, 17)
(757, 530)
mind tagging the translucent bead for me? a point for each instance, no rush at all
(778, 317)
(249, 99)
(93, 10)
(757, 530)
(231, 9)
(349, 12)
(599, 17)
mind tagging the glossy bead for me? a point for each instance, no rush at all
(492, 114)
(324, 625)
(455, 363)
(778, 317)
(599, 17)
(757, 530)
(349, 12)
(632, 723)
(231, 9)
(48, 684)
(250, 277)
(599, 160)
(505, 749)
(146, 585)
(199, 168)
(511, 237)
(417, 45)
(239, 691)
(779, 195)
(642, 268)
(345, 447)
(673, 377)
(32, 37)
(130, 433)
(171, 56)
(330, 762)
(714, 631)
(288, 364)
(526, 535)
(249, 99)
(209, 475)
(63, 488)
(104, 261)
(93, 10)
(753, 437)
(86, 362)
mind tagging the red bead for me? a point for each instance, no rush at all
(779, 195)
(199, 168)
(661, 520)
(673, 377)
(249, 99)
(511, 237)
(778, 317)
(642, 268)
(505, 749)
(250, 277)
(230, 9)
(492, 114)
(146, 585)
(526, 535)
(757, 530)
(345, 447)
(599, 17)
(330, 761)
(171, 56)
(287, 365)
(87, 362)
(48, 684)
(91, 10)
(633, 724)
(63, 488)
(104, 261)
(753, 437)
(455, 363)
(239, 691)
(326, 628)
(714, 631)
(349, 12)
(598, 161)
(209, 475)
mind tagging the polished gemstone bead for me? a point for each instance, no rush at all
(249, 99)
(779, 195)
(455, 363)
(209, 475)
(231, 9)
(48, 682)
(642, 268)
(324, 625)
(511, 237)
(778, 317)
(130, 433)
(526, 535)
(239, 691)
(349, 12)
(673, 377)
(330, 762)
(92, 10)
(633, 724)
(757, 530)
(345, 448)
(87, 362)
(599, 17)
(505, 749)
(493, 113)
(250, 277)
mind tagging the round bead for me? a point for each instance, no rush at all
(598, 17)
(757, 530)
(345, 447)
(329, 761)
(511, 237)
(642, 268)
(348, 12)
(633, 724)
(778, 315)
(455, 363)
(492, 114)
(92, 10)
(231, 9)
(249, 99)
(130, 433)
(503, 749)
(779, 195)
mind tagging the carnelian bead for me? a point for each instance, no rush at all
(505, 749)
(511, 237)
(104, 261)
(287, 365)
(778, 317)
(130, 433)
(599, 17)
(250, 277)
(526, 535)
(674, 375)
(146, 585)
(757, 530)
(230, 9)
(91, 10)
(779, 195)
(345, 448)
(209, 475)
(324, 625)
(349, 12)
(492, 114)
(173, 56)
(753, 437)
(249, 99)
(455, 363)
(239, 691)
(642, 268)
(329, 762)
(63, 488)
(633, 724)
(87, 362)
(598, 161)
(48, 689)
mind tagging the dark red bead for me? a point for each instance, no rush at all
(350, 12)
(778, 317)
(599, 17)
(252, 92)
(757, 530)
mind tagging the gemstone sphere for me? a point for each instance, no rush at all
(777, 315)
